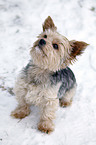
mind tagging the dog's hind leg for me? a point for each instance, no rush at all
(66, 100)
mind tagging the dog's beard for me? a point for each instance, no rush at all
(40, 51)
(44, 58)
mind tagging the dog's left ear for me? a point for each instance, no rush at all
(49, 24)
(77, 48)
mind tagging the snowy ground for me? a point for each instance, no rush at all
(20, 23)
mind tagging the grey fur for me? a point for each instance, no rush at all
(67, 78)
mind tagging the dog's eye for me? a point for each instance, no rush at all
(55, 46)
(45, 36)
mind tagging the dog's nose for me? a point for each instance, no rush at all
(42, 42)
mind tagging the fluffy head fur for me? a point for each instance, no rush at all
(47, 57)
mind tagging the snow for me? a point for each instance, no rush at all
(20, 23)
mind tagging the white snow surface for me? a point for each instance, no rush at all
(20, 23)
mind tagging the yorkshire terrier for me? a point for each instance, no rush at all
(47, 81)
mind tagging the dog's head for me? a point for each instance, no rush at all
(52, 50)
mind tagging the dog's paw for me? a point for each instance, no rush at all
(21, 112)
(46, 126)
(64, 104)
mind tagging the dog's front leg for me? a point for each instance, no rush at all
(48, 109)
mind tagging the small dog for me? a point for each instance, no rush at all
(47, 80)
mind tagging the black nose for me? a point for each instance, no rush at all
(42, 42)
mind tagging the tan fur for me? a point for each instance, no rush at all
(35, 88)
(47, 115)
(21, 111)
(48, 58)
(46, 126)
(42, 96)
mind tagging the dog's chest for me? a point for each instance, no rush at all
(38, 94)
(40, 87)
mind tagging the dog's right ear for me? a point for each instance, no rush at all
(49, 24)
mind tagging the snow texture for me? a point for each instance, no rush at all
(20, 23)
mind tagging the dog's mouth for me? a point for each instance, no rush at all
(40, 50)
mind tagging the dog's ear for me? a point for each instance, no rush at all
(77, 48)
(49, 24)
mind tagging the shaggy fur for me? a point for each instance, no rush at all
(47, 81)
